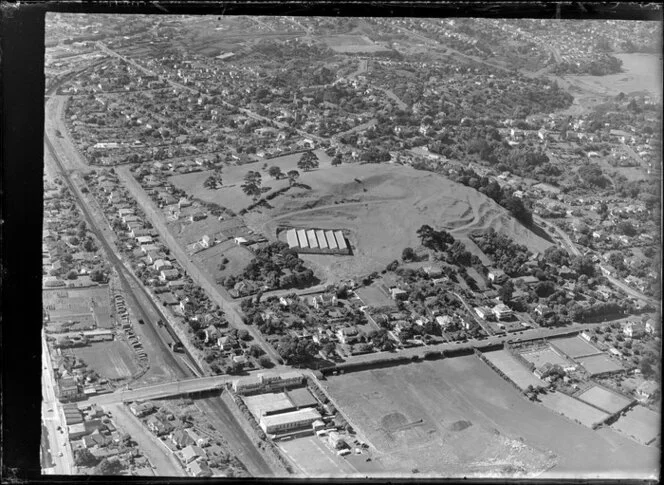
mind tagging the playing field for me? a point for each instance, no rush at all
(112, 360)
(513, 369)
(457, 417)
(574, 347)
(314, 459)
(600, 364)
(541, 357)
(640, 423)
(610, 402)
(573, 409)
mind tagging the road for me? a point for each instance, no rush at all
(571, 247)
(135, 292)
(219, 414)
(203, 279)
(479, 321)
(159, 456)
(53, 417)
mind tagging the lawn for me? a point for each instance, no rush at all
(513, 369)
(375, 297)
(112, 360)
(541, 357)
(210, 259)
(456, 417)
(314, 459)
(639, 423)
(574, 347)
(609, 401)
(599, 364)
(572, 408)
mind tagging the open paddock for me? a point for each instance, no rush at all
(230, 194)
(112, 360)
(381, 207)
(458, 418)
(210, 259)
(513, 369)
(314, 459)
(609, 401)
(639, 423)
(573, 409)
(574, 346)
(62, 303)
(352, 43)
(190, 232)
(600, 364)
(547, 355)
(375, 297)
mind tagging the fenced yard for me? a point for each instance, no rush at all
(639, 423)
(610, 402)
(513, 369)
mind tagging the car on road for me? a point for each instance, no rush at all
(60, 453)
(140, 320)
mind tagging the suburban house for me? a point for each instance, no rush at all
(634, 330)
(181, 438)
(141, 409)
(157, 426)
(347, 334)
(160, 264)
(543, 311)
(502, 311)
(482, 312)
(169, 274)
(324, 300)
(199, 469)
(444, 321)
(398, 294)
(653, 327)
(193, 452)
(647, 389)
(497, 276)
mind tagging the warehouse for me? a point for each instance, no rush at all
(279, 423)
(331, 241)
(322, 242)
(302, 238)
(270, 403)
(291, 237)
(311, 237)
(317, 241)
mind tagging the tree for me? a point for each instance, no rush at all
(265, 362)
(424, 233)
(583, 265)
(626, 228)
(506, 291)
(84, 457)
(252, 184)
(256, 351)
(89, 245)
(308, 161)
(106, 467)
(336, 160)
(97, 276)
(275, 172)
(408, 254)
(329, 348)
(296, 351)
(72, 275)
(292, 175)
(74, 241)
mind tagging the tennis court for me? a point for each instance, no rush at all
(513, 369)
(609, 401)
(600, 364)
(574, 347)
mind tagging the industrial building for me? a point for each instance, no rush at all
(317, 241)
(266, 383)
(284, 422)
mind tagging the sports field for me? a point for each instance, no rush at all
(573, 409)
(312, 458)
(574, 347)
(640, 423)
(351, 43)
(599, 364)
(513, 369)
(112, 360)
(609, 401)
(541, 357)
(418, 416)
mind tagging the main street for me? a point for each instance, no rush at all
(54, 420)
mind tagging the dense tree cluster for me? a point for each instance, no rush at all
(296, 351)
(277, 266)
(507, 255)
